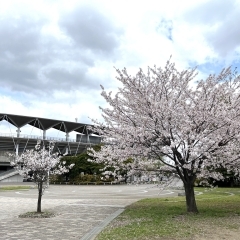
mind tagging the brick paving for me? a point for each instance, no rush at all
(78, 211)
(71, 222)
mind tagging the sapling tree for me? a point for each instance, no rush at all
(39, 163)
(166, 115)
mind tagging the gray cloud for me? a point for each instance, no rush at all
(19, 35)
(19, 44)
(92, 30)
(226, 37)
(77, 77)
(222, 18)
(210, 12)
(32, 62)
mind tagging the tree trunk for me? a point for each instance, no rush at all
(188, 178)
(231, 182)
(40, 184)
(190, 197)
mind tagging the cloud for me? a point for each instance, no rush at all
(219, 22)
(36, 61)
(225, 38)
(89, 29)
(209, 12)
(79, 105)
(19, 43)
(54, 55)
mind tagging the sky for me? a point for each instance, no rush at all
(55, 54)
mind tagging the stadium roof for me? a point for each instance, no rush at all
(45, 123)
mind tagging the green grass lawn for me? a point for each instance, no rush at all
(7, 188)
(166, 218)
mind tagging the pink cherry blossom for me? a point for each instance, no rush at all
(39, 163)
(166, 115)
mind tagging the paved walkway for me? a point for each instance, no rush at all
(82, 211)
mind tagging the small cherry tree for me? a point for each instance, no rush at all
(191, 127)
(39, 163)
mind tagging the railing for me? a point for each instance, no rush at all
(54, 139)
(2, 174)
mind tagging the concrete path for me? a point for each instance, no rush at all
(82, 211)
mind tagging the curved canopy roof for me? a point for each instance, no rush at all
(45, 123)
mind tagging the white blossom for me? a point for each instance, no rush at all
(160, 115)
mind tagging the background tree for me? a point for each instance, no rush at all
(166, 115)
(229, 178)
(82, 164)
(39, 163)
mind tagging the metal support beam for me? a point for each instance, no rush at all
(17, 145)
(67, 137)
(44, 134)
(18, 132)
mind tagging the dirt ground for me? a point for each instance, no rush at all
(228, 229)
(220, 233)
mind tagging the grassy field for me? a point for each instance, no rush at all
(166, 218)
(8, 188)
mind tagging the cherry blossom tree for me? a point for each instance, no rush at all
(191, 126)
(39, 163)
